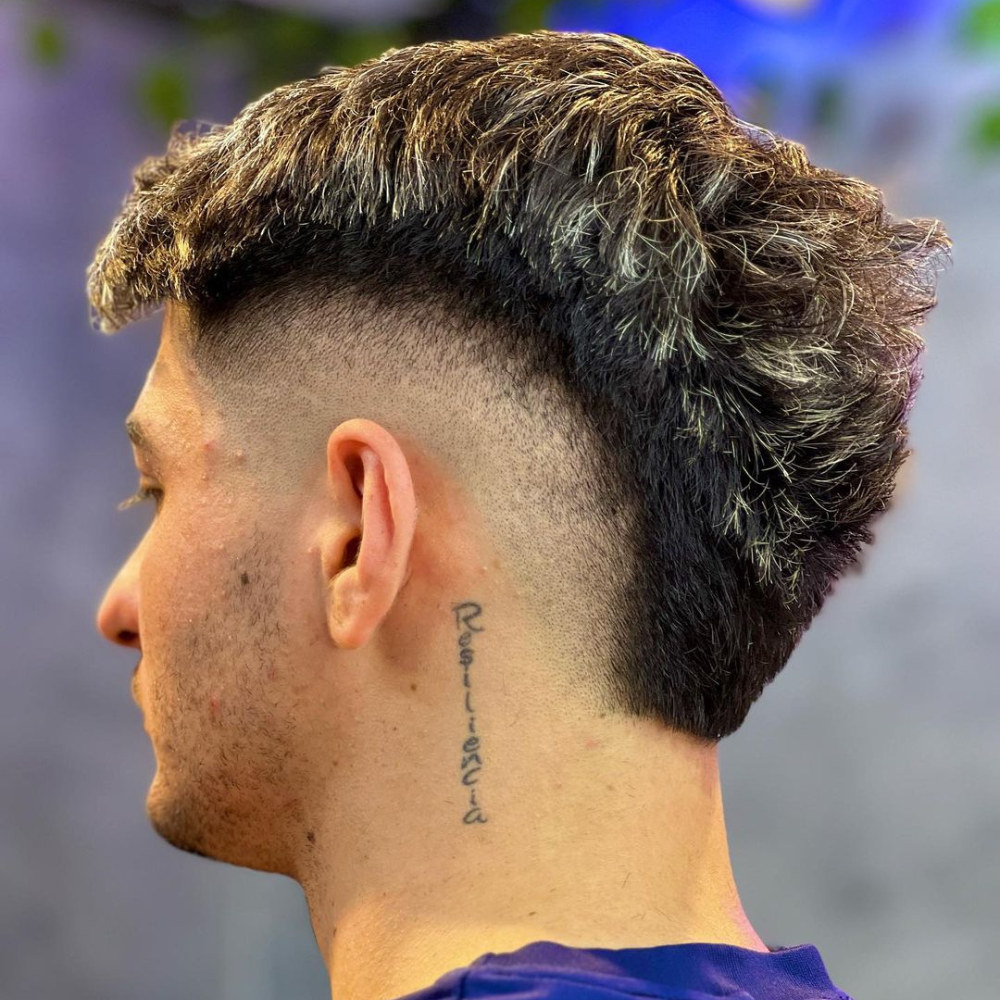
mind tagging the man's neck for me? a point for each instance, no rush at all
(622, 854)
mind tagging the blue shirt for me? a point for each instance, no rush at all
(544, 970)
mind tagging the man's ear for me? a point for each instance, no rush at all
(367, 542)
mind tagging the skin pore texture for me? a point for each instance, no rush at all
(341, 684)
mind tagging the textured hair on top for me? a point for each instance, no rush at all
(731, 328)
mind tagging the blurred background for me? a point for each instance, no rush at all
(863, 793)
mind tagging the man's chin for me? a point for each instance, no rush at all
(173, 823)
(206, 827)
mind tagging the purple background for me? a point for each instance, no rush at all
(861, 795)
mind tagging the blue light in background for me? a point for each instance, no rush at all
(739, 45)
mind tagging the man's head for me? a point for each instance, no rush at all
(530, 324)
(291, 618)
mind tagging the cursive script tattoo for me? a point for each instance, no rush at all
(472, 761)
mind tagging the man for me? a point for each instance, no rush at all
(515, 409)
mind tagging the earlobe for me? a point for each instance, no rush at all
(346, 613)
(345, 589)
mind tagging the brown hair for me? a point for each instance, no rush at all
(731, 328)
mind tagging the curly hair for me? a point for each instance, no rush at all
(714, 336)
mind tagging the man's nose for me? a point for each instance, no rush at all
(118, 614)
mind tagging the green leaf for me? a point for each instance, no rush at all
(164, 93)
(979, 28)
(986, 128)
(47, 43)
(524, 15)
(828, 104)
(283, 46)
(223, 23)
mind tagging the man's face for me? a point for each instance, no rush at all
(226, 685)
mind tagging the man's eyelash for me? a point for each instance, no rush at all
(143, 493)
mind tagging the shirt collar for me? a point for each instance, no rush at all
(793, 973)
